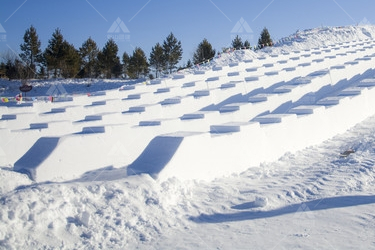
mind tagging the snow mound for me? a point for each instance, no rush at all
(300, 41)
(322, 37)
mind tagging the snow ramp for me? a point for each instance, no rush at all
(37, 154)
(176, 155)
(70, 156)
(235, 146)
(194, 155)
(156, 155)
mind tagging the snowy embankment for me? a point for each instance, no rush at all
(283, 99)
(274, 122)
(312, 199)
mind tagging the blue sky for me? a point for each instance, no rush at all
(150, 21)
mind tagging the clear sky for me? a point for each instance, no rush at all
(143, 23)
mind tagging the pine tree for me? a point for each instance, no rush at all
(138, 65)
(2, 70)
(246, 44)
(14, 69)
(71, 61)
(157, 59)
(61, 57)
(189, 64)
(41, 72)
(172, 52)
(43, 64)
(203, 52)
(265, 39)
(237, 43)
(31, 53)
(8, 61)
(117, 69)
(10, 70)
(54, 53)
(89, 53)
(108, 58)
(125, 63)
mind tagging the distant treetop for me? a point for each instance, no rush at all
(265, 39)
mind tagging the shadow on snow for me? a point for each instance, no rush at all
(314, 205)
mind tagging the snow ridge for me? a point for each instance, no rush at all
(308, 39)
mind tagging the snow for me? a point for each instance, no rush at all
(244, 152)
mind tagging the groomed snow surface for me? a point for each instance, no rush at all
(266, 150)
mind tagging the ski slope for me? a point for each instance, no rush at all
(243, 152)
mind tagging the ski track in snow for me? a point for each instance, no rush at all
(312, 199)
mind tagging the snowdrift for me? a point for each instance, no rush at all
(241, 109)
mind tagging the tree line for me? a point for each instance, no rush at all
(61, 59)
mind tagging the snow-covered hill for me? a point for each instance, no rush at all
(275, 123)
(324, 36)
(309, 39)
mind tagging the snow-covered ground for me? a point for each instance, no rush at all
(309, 198)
